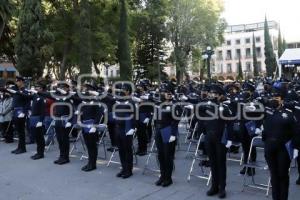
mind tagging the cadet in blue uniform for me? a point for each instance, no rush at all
(166, 126)
(20, 105)
(124, 127)
(278, 132)
(216, 139)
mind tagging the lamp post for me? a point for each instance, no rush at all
(207, 55)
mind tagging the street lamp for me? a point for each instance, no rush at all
(207, 55)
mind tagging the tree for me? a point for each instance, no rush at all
(149, 34)
(84, 46)
(30, 40)
(194, 24)
(270, 59)
(240, 70)
(5, 14)
(124, 56)
(255, 63)
(280, 44)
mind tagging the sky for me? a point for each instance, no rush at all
(286, 12)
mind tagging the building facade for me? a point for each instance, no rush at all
(238, 44)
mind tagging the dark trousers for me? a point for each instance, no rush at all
(165, 154)
(298, 163)
(142, 136)
(38, 134)
(91, 140)
(112, 135)
(7, 130)
(20, 129)
(279, 163)
(216, 152)
(125, 152)
(62, 136)
(246, 143)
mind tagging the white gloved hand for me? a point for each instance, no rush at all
(92, 130)
(172, 139)
(94, 93)
(76, 112)
(21, 115)
(136, 99)
(189, 107)
(130, 132)
(61, 91)
(296, 153)
(146, 121)
(68, 124)
(258, 131)
(33, 91)
(12, 91)
(229, 144)
(144, 97)
(39, 124)
(168, 108)
(184, 98)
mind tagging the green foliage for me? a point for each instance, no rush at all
(280, 44)
(255, 63)
(31, 39)
(124, 56)
(270, 60)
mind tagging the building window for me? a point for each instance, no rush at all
(259, 66)
(238, 42)
(111, 73)
(228, 55)
(258, 52)
(248, 52)
(257, 39)
(238, 53)
(248, 66)
(118, 72)
(1, 74)
(220, 55)
(10, 74)
(228, 42)
(248, 40)
(229, 69)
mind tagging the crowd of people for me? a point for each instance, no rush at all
(224, 114)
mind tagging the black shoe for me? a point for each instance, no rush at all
(29, 142)
(167, 183)
(212, 191)
(126, 175)
(251, 171)
(142, 153)
(298, 181)
(204, 163)
(243, 171)
(62, 161)
(9, 141)
(222, 194)
(120, 174)
(112, 149)
(159, 182)
(88, 168)
(20, 151)
(14, 151)
(37, 156)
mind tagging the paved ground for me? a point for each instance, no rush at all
(24, 179)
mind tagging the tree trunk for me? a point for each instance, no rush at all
(64, 60)
(2, 25)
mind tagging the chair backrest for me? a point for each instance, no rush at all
(257, 142)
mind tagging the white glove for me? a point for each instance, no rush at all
(76, 112)
(229, 144)
(258, 131)
(61, 91)
(92, 130)
(39, 124)
(144, 97)
(12, 91)
(33, 91)
(68, 124)
(130, 132)
(21, 115)
(184, 98)
(94, 93)
(146, 121)
(168, 108)
(189, 107)
(296, 152)
(172, 139)
(136, 99)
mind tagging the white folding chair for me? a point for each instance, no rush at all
(261, 165)
(205, 174)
